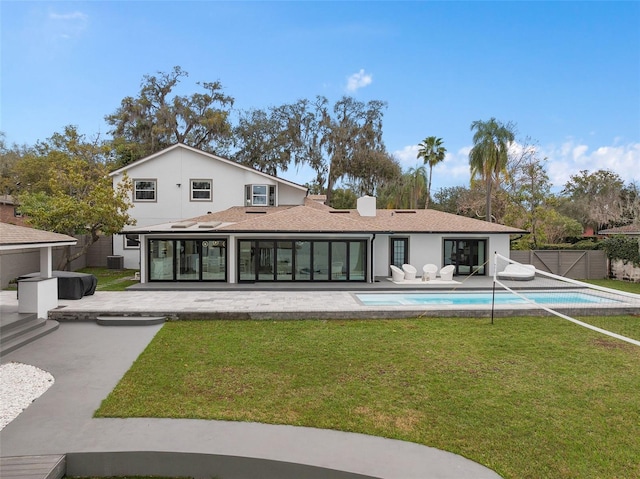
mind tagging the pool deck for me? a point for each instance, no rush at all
(303, 301)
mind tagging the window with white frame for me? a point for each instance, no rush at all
(144, 190)
(201, 190)
(131, 241)
(260, 195)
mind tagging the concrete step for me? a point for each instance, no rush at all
(20, 327)
(27, 333)
(33, 467)
(130, 320)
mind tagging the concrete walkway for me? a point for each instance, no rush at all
(87, 360)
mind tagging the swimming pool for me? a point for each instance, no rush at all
(481, 298)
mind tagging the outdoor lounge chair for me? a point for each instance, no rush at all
(446, 273)
(518, 272)
(430, 271)
(397, 275)
(409, 271)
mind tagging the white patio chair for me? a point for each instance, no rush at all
(397, 275)
(409, 271)
(430, 271)
(446, 273)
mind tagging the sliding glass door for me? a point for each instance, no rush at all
(304, 260)
(187, 260)
(467, 255)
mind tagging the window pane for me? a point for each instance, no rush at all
(161, 260)
(285, 260)
(145, 195)
(188, 264)
(303, 260)
(272, 195)
(259, 195)
(214, 260)
(200, 190)
(480, 257)
(266, 260)
(357, 260)
(320, 260)
(145, 190)
(449, 252)
(398, 251)
(247, 268)
(131, 241)
(339, 260)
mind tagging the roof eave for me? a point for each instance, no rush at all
(34, 245)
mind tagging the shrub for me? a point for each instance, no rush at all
(623, 248)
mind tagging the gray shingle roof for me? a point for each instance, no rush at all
(12, 235)
(314, 217)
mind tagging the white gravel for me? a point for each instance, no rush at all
(20, 385)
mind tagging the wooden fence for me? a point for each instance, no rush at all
(574, 264)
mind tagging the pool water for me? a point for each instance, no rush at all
(480, 298)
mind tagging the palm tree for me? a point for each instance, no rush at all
(432, 152)
(488, 157)
(415, 184)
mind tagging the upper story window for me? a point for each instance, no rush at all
(144, 190)
(131, 241)
(260, 195)
(201, 190)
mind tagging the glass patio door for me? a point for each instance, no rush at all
(467, 255)
(188, 260)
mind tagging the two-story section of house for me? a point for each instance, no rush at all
(183, 182)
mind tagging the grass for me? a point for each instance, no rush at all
(616, 284)
(112, 279)
(527, 397)
(108, 279)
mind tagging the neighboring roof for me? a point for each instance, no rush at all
(209, 155)
(7, 200)
(19, 237)
(633, 230)
(313, 217)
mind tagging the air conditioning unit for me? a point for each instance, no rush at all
(115, 262)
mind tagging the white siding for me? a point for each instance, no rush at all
(173, 171)
(427, 248)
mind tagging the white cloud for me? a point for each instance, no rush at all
(68, 16)
(358, 80)
(408, 156)
(571, 157)
(563, 162)
(452, 171)
(67, 25)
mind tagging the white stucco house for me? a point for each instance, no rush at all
(182, 182)
(204, 218)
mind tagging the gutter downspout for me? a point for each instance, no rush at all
(372, 276)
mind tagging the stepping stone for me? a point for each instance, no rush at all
(130, 320)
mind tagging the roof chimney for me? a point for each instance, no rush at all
(367, 206)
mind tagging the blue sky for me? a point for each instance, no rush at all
(567, 73)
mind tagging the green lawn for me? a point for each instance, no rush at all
(615, 284)
(112, 279)
(527, 397)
